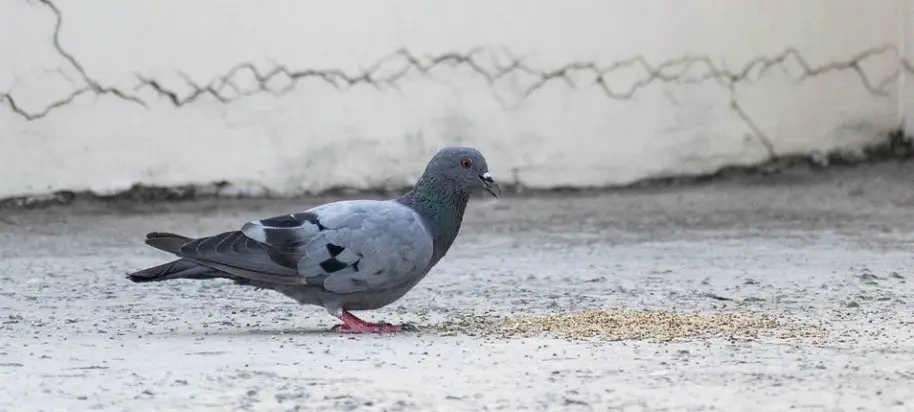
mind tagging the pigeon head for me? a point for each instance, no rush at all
(441, 194)
(464, 168)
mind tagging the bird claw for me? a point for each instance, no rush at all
(380, 327)
(352, 324)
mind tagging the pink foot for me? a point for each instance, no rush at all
(352, 324)
(369, 328)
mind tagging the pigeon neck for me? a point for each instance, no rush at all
(441, 207)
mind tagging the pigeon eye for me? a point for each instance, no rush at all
(466, 163)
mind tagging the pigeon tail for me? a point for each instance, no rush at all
(176, 269)
(168, 242)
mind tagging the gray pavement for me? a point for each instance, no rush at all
(833, 247)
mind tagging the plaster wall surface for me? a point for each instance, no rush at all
(302, 96)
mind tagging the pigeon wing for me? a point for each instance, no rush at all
(345, 247)
(367, 246)
(267, 249)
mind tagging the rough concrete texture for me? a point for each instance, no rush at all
(830, 248)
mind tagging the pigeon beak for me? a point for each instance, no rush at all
(489, 184)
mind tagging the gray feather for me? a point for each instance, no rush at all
(350, 246)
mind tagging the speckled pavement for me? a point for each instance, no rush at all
(831, 248)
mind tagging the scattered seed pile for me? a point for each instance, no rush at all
(614, 325)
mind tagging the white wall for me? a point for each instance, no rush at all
(584, 92)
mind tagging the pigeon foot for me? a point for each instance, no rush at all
(352, 324)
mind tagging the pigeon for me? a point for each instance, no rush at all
(348, 255)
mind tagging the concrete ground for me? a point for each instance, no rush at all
(831, 247)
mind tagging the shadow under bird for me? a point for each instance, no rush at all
(343, 256)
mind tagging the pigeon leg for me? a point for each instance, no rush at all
(352, 324)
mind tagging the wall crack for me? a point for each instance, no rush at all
(91, 85)
(389, 71)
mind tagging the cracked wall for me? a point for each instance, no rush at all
(102, 94)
